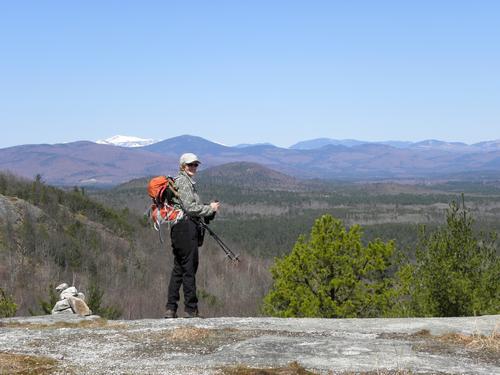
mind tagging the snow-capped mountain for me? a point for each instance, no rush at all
(84, 163)
(126, 141)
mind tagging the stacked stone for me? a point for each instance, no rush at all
(71, 301)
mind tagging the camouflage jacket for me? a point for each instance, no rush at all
(190, 201)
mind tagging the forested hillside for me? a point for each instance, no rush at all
(263, 212)
(49, 236)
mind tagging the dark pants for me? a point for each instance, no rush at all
(184, 236)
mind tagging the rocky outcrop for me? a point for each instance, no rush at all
(71, 301)
(62, 307)
(219, 345)
(15, 209)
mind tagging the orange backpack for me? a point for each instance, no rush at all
(162, 190)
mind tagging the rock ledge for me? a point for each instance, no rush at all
(84, 345)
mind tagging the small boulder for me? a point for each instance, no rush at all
(79, 306)
(69, 292)
(62, 306)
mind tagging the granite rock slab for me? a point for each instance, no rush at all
(90, 345)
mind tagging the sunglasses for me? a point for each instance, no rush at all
(193, 164)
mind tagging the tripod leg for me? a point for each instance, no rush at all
(221, 243)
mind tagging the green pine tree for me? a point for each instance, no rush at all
(7, 306)
(332, 275)
(95, 303)
(457, 271)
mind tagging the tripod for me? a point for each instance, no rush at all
(224, 247)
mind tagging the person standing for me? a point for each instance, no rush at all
(185, 237)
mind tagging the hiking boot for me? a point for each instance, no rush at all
(192, 314)
(170, 314)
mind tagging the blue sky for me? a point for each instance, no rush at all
(249, 71)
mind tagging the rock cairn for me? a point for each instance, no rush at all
(71, 301)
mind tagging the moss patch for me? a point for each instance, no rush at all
(193, 340)
(189, 334)
(21, 364)
(293, 368)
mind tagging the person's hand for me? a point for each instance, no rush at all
(215, 206)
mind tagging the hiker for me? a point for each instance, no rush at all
(186, 235)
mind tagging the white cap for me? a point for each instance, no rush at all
(188, 158)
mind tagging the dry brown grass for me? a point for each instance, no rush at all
(422, 333)
(477, 347)
(21, 364)
(474, 341)
(293, 368)
(189, 334)
(478, 342)
(379, 372)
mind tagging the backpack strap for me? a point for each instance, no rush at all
(170, 185)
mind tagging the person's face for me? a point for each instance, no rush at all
(191, 168)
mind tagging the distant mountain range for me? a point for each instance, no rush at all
(89, 163)
(427, 144)
(130, 141)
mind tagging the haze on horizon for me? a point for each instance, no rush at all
(235, 72)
